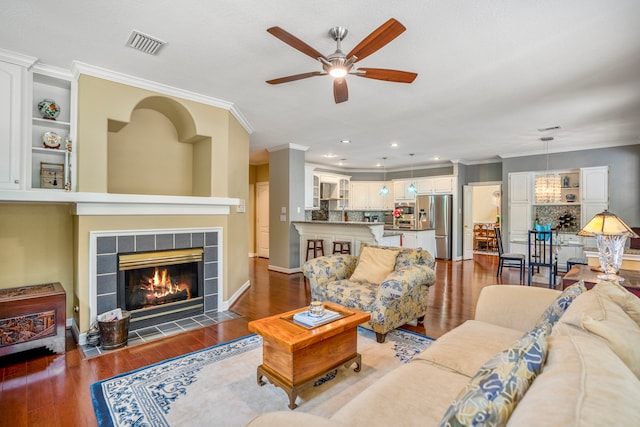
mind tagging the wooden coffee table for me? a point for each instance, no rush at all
(294, 356)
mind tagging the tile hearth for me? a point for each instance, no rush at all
(163, 330)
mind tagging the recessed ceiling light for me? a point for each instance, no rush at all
(436, 158)
(394, 145)
(330, 156)
(345, 141)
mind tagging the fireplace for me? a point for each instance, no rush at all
(160, 286)
(125, 261)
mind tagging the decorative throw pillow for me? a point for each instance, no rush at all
(494, 391)
(558, 307)
(374, 265)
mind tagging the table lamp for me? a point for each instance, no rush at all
(611, 234)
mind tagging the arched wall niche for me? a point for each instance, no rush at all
(158, 151)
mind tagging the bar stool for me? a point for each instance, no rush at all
(315, 245)
(341, 247)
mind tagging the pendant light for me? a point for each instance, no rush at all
(412, 188)
(384, 191)
(548, 186)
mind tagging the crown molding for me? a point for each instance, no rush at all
(17, 58)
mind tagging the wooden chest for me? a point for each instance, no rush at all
(32, 316)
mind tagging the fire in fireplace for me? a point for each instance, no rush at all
(161, 286)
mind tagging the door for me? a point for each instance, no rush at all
(262, 219)
(467, 219)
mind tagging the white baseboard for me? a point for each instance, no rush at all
(284, 270)
(224, 306)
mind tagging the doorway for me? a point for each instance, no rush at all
(482, 205)
(262, 219)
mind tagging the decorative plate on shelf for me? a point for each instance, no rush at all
(51, 140)
(49, 109)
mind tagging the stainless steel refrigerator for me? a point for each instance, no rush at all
(434, 212)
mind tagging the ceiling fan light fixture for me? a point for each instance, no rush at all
(337, 72)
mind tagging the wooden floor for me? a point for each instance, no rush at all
(41, 389)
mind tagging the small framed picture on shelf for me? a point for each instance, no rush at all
(52, 175)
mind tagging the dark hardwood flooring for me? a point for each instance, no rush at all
(38, 388)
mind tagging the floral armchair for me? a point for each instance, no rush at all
(400, 297)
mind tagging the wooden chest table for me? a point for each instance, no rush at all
(294, 356)
(31, 317)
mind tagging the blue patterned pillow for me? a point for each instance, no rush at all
(494, 391)
(559, 306)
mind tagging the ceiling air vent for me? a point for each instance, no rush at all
(144, 42)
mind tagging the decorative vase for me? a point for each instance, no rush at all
(48, 109)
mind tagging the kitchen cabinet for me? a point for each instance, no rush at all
(594, 183)
(594, 186)
(444, 185)
(425, 239)
(436, 185)
(311, 188)
(390, 240)
(400, 191)
(12, 83)
(520, 187)
(365, 196)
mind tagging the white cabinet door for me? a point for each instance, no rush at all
(519, 226)
(308, 187)
(594, 183)
(389, 200)
(376, 200)
(409, 239)
(425, 185)
(520, 187)
(400, 191)
(12, 79)
(443, 185)
(360, 195)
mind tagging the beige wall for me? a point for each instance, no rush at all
(45, 243)
(36, 246)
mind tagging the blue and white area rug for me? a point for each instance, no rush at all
(218, 385)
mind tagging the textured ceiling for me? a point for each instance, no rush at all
(490, 73)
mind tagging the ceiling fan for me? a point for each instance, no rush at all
(338, 65)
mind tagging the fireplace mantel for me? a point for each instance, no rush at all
(84, 203)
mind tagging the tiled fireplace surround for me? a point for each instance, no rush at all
(105, 246)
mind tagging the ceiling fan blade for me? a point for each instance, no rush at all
(377, 39)
(294, 42)
(340, 90)
(388, 75)
(295, 77)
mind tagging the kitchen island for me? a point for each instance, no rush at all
(348, 231)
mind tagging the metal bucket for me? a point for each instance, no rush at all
(115, 333)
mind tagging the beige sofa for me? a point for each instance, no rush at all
(589, 377)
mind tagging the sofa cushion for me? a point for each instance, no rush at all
(598, 312)
(464, 349)
(374, 264)
(560, 305)
(583, 383)
(414, 394)
(493, 393)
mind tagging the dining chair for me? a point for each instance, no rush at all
(508, 259)
(542, 254)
